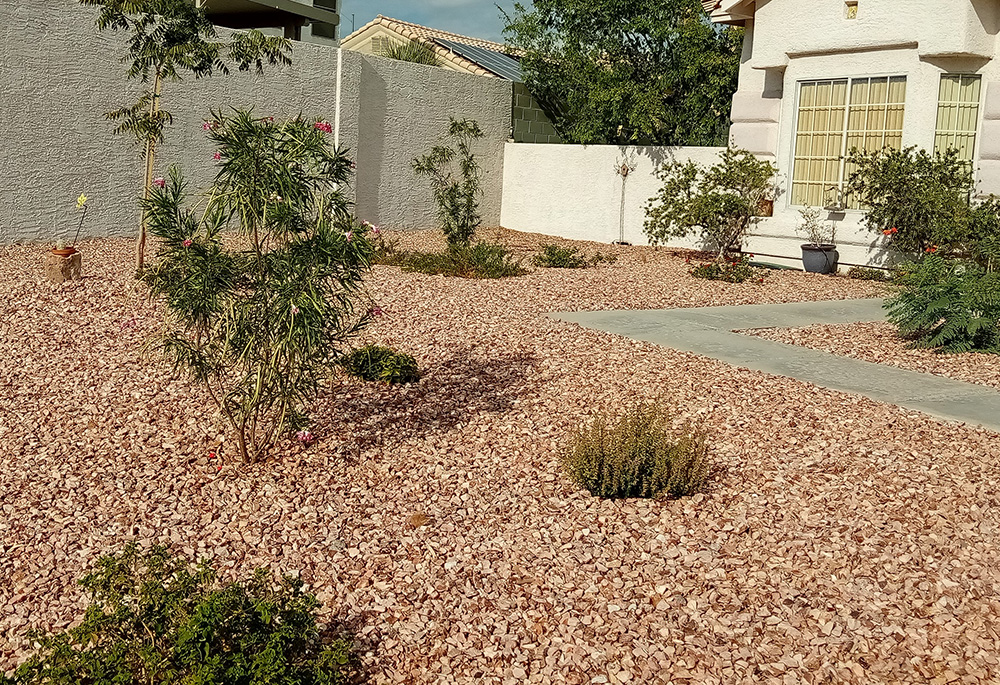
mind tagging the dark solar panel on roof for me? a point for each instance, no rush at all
(497, 62)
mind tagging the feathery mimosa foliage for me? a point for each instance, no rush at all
(260, 326)
(165, 40)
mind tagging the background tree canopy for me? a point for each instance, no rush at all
(637, 72)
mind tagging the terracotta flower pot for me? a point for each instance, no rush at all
(63, 251)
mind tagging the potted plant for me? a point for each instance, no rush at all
(63, 249)
(819, 255)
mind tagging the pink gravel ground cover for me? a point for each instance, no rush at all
(879, 342)
(841, 540)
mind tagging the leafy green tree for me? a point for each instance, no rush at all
(158, 618)
(166, 39)
(919, 200)
(642, 72)
(260, 320)
(721, 202)
(455, 179)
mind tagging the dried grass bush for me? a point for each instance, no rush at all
(640, 455)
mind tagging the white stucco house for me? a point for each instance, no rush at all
(819, 77)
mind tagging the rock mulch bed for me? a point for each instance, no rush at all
(842, 540)
(880, 343)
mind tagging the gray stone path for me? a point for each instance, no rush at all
(708, 331)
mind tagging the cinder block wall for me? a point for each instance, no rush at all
(58, 76)
(530, 123)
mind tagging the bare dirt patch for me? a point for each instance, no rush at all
(841, 540)
(880, 343)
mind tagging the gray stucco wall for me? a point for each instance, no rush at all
(58, 77)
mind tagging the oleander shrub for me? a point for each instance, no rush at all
(952, 305)
(864, 273)
(375, 363)
(638, 455)
(735, 269)
(481, 260)
(557, 257)
(260, 324)
(157, 617)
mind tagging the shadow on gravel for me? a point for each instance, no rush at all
(450, 393)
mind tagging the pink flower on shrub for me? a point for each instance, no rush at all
(159, 182)
(217, 156)
(305, 437)
(323, 126)
(375, 311)
(187, 242)
(349, 235)
(353, 165)
(207, 126)
(295, 310)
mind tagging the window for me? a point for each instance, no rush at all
(958, 114)
(835, 116)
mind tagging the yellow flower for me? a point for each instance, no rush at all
(81, 201)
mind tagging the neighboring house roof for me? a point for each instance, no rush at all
(475, 55)
(253, 13)
(729, 11)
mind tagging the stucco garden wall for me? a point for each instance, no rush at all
(58, 77)
(573, 191)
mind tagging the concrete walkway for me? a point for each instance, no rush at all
(708, 331)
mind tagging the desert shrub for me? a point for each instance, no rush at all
(481, 260)
(720, 202)
(385, 251)
(260, 325)
(455, 180)
(730, 270)
(556, 257)
(158, 618)
(864, 273)
(374, 363)
(916, 199)
(952, 305)
(638, 456)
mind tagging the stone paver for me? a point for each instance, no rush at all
(709, 331)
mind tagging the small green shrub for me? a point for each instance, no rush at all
(158, 618)
(411, 51)
(374, 363)
(864, 273)
(730, 270)
(949, 304)
(482, 260)
(556, 257)
(638, 456)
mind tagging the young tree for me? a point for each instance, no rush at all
(722, 201)
(456, 194)
(166, 39)
(260, 321)
(641, 72)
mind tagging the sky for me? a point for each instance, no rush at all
(476, 18)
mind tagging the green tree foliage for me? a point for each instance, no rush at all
(411, 51)
(721, 202)
(642, 72)
(455, 179)
(157, 618)
(259, 322)
(165, 40)
(917, 199)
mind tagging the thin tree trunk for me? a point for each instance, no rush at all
(154, 109)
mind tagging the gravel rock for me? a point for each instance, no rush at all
(841, 540)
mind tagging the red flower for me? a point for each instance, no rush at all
(931, 249)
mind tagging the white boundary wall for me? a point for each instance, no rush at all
(572, 191)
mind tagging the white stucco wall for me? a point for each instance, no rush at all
(790, 41)
(572, 191)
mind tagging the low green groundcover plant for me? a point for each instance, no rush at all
(375, 363)
(864, 273)
(952, 305)
(156, 617)
(481, 260)
(556, 257)
(638, 455)
(736, 269)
